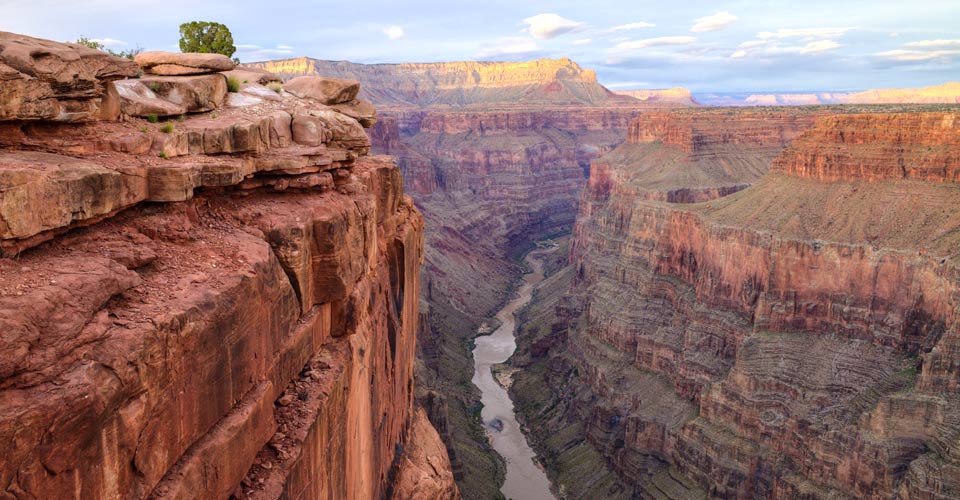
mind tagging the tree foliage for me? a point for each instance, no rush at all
(93, 44)
(206, 37)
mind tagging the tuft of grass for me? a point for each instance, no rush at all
(152, 118)
(213, 115)
(144, 130)
(162, 155)
(246, 81)
(155, 86)
(182, 118)
(275, 86)
(233, 84)
(167, 128)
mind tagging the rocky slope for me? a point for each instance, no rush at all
(796, 339)
(224, 304)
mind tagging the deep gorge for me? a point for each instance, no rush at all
(276, 293)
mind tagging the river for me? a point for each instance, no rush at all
(525, 479)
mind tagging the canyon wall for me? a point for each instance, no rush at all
(495, 156)
(221, 305)
(461, 84)
(795, 339)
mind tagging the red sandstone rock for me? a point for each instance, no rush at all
(177, 64)
(143, 353)
(325, 90)
(424, 471)
(45, 80)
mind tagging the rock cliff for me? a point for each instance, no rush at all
(223, 304)
(795, 339)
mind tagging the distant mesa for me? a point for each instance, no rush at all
(469, 84)
(947, 93)
(677, 95)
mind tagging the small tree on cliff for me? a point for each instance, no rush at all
(93, 44)
(206, 37)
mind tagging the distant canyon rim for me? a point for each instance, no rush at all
(267, 281)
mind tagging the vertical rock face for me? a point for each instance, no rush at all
(251, 332)
(796, 339)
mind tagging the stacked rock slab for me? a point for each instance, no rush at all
(209, 307)
(65, 82)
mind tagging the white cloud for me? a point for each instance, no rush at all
(109, 42)
(511, 45)
(582, 41)
(630, 26)
(818, 47)
(740, 54)
(716, 22)
(924, 44)
(547, 26)
(652, 42)
(806, 33)
(250, 52)
(393, 32)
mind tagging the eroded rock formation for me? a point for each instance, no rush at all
(225, 304)
(795, 339)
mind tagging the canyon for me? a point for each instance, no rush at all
(495, 156)
(781, 334)
(301, 279)
(222, 303)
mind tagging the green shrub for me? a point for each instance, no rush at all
(233, 84)
(167, 128)
(153, 118)
(155, 86)
(162, 154)
(275, 86)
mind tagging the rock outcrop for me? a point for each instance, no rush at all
(177, 64)
(796, 339)
(45, 80)
(224, 305)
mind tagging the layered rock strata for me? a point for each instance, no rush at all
(224, 305)
(796, 339)
(494, 155)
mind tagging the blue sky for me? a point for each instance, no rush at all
(706, 46)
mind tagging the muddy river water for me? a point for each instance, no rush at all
(525, 479)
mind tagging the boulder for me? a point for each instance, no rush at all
(196, 94)
(359, 109)
(325, 90)
(46, 80)
(174, 64)
(253, 75)
(313, 127)
(136, 99)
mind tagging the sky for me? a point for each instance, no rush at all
(707, 46)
